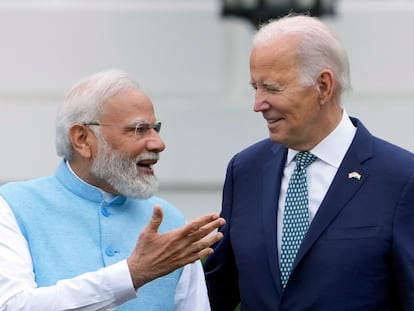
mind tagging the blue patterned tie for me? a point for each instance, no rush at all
(296, 215)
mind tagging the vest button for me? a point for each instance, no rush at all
(110, 251)
(105, 212)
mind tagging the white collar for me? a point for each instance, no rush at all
(333, 147)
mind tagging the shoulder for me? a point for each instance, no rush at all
(258, 151)
(27, 186)
(380, 155)
(367, 145)
(392, 153)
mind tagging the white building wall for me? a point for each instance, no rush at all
(194, 65)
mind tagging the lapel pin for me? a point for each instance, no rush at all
(355, 175)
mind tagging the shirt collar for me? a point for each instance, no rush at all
(332, 148)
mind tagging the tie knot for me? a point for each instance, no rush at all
(304, 159)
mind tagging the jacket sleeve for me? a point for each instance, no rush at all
(220, 267)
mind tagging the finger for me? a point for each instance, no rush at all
(193, 231)
(204, 249)
(216, 224)
(201, 246)
(205, 252)
(208, 228)
(210, 240)
(156, 219)
(203, 220)
(195, 225)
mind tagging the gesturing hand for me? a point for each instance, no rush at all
(158, 254)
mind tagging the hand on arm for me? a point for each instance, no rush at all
(158, 254)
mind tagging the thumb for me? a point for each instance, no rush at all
(156, 219)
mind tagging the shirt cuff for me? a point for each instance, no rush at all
(120, 282)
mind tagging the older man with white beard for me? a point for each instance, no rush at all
(69, 241)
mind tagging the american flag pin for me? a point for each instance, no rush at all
(355, 175)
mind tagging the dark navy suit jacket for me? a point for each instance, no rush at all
(358, 253)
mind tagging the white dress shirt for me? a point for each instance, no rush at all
(104, 289)
(330, 153)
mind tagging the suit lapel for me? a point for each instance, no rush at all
(271, 189)
(348, 180)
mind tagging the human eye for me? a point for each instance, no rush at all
(272, 88)
(253, 85)
(142, 128)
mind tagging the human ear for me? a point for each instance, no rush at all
(326, 85)
(81, 138)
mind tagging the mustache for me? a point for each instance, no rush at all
(148, 156)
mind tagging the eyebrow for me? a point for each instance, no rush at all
(271, 84)
(139, 121)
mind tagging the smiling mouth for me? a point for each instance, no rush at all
(273, 121)
(145, 166)
(147, 163)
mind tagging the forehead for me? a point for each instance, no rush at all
(128, 105)
(273, 58)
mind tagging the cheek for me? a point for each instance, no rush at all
(309, 119)
(129, 147)
(133, 150)
(306, 107)
(301, 119)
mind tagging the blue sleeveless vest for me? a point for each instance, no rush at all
(71, 230)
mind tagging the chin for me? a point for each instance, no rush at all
(276, 138)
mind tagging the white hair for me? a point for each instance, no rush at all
(318, 48)
(84, 103)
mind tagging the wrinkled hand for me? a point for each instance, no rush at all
(158, 254)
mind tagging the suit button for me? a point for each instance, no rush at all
(110, 251)
(105, 212)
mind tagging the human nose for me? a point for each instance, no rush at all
(155, 142)
(260, 102)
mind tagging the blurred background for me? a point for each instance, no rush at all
(191, 58)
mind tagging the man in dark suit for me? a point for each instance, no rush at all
(357, 251)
